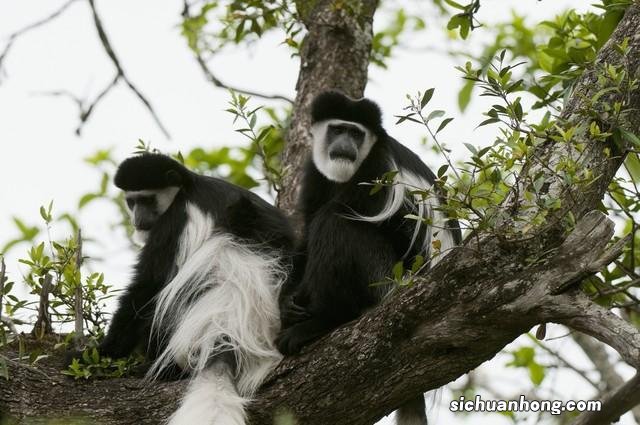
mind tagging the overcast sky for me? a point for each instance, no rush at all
(41, 157)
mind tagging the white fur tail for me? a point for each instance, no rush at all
(211, 399)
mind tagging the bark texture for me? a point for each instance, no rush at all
(481, 297)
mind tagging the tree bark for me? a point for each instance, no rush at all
(481, 297)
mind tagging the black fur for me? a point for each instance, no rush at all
(332, 104)
(235, 210)
(340, 258)
(151, 171)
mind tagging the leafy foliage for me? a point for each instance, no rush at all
(93, 365)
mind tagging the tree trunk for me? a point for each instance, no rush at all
(479, 298)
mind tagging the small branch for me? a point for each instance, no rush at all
(106, 44)
(564, 362)
(79, 322)
(614, 404)
(43, 323)
(186, 14)
(3, 270)
(85, 113)
(25, 366)
(600, 359)
(216, 82)
(10, 324)
(85, 110)
(14, 36)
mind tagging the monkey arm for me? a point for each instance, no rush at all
(342, 256)
(131, 322)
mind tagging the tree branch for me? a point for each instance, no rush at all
(600, 358)
(575, 310)
(211, 77)
(15, 35)
(614, 404)
(120, 74)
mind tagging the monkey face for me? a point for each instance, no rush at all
(146, 206)
(340, 147)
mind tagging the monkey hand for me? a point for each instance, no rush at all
(291, 312)
(290, 341)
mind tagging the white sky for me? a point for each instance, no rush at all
(41, 158)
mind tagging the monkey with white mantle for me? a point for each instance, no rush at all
(352, 238)
(203, 300)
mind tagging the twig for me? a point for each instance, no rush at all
(3, 270)
(210, 76)
(24, 366)
(14, 36)
(43, 323)
(86, 113)
(79, 322)
(10, 324)
(85, 108)
(564, 362)
(614, 404)
(120, 74)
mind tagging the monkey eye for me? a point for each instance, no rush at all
(130, 203)
(355, 133)
(334, 130)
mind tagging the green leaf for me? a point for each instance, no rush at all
(442, 170)
(630, 137)
(43, 214)
(417, 263)
(522, 357)
(471, 148)
(427, 97)
(443, 124)
(402, 118)
(536, 373)
(435, 114)
(85, 199)
(398, 271)
(632, 163)
(464, 96)
(489, 121)
(454, 4)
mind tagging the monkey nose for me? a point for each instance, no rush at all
(343, 149)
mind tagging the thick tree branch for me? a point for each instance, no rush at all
(614, 404)
(578, 312)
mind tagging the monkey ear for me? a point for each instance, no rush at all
(173, 178)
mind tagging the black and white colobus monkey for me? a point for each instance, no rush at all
(351, 238)
(204, 295)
